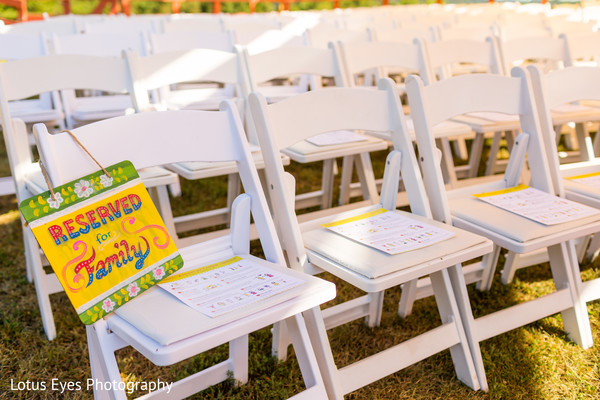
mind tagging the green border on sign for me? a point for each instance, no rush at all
(40, 206)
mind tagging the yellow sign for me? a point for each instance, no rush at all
(104, 239)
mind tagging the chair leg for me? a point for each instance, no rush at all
(449, 313)
(493, 157)
(364, 169)
(102, 346)
(320, 343)
(593, 247)
(238, 354)
(281, 341)
(407, 299)
(459, 286)
(375, 309)
(345, 189)
(476, 152)
(41, 286)
(565, 270)
(489, 263)
(327, 183)
(307, 359)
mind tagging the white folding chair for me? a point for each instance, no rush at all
(441, 59)
(289, 61)
(24, 78)
(93, 107)
(313, 248)
(159, 71)
(161, 328)
(379, 57)
(554, 89)
(511, 95)
(46, 108)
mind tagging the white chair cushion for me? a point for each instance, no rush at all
(305, 148)
(507, 223)
(170, 320)
(373, 263)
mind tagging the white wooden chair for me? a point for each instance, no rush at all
(553, 89)
(81, 110)
(441, 59)
(22, 79)
(290, 61)
(178, 41)
(47, 108)
(511, 95)
(157, 71)
(312, 248)
(161, 328)
(380, 57)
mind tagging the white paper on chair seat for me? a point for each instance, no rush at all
(537, 205)
(388, 231)
(372, 263)
(228, 285)
(592, 179)
(336, 137)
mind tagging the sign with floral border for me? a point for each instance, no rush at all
(104, 238)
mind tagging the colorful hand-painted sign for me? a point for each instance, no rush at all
(104, 239)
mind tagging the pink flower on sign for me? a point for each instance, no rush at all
(158, 273)
(133, 289)
(108, 305)
(83, 188)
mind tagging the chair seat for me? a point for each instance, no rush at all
(32, 111)
(172, 321)
(305, 152)
(197, 99)
(100, 107)
(508, 224)
(482, 122)
(276, 93)
(200, 170)
(443, 129)
(153, 176)
(372, 263)
(574, 113)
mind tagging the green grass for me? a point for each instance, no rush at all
(533, 362)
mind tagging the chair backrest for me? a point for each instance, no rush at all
(265, 40)
(551, 51)
(210, 136)
(280, 125)
(16, 46)
(320, 36)
(99, 44)
(463, 94)
(123, 25)
(357, 58)
(581, 47)
(559, 87)
(286, 61)
(195, 23)
(403, 35)
(29, 77)
(35, 28)
(440, 56)
(161, 70)
(177, 41)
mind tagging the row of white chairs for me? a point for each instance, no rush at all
(311, 246)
